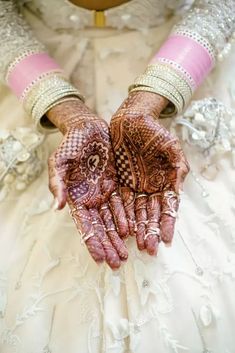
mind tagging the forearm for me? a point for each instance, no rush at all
(152, 103)
(214, 21)
(32, 75)
(190, 53)
(67, 114)
(17, 38)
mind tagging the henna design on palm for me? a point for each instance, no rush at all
(82, 172)
(151, 168)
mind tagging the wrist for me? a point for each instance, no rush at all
(154, 103)
(68, 114)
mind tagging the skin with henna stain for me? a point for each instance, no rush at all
(151, 167)
(82, 173)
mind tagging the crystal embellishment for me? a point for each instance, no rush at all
(199, 271)
(22, 157)
(208, 125)
(145, 283)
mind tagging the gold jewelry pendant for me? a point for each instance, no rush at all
(99, 19)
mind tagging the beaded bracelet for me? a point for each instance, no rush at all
(164, 92)
(190, 54)
(40, 84)
(157, 72)
(167, 82)
(177, 69)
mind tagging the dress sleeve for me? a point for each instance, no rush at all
(16, 37)
(191, 51)
(32, 75)
(212, 21)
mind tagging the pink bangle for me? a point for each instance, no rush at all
(30, 70)
(187, 54)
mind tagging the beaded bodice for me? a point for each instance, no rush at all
(214, 21)
(135, 14)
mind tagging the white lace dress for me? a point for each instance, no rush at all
(53, 297)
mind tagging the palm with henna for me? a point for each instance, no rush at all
(151, 168)
(82, 173)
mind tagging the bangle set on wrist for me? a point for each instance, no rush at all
(160, 79)
(177, 69)
(45, 87)
(175, 72)
(47, 94)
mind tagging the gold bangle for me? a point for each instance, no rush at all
(44, 124)
(158, 82)
(179, 84)
(163, 88)
(45, 94)
(164, 93)
(167, 81)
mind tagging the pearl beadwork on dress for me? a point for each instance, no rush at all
(135, 14)
(198, 38)
(212, 22)
(208, 125)
(16, 36)
(22, 159)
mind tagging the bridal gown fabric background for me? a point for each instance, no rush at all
(53, 297)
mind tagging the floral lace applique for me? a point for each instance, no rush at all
(208, 125)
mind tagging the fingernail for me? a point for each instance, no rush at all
(153, 252)
(55, 205)
(168, 245)
(100, 261)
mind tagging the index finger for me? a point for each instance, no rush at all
(57, 172)
(179, 162)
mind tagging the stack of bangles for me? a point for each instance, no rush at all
(175, 72)
(40, 84)
(178, 68)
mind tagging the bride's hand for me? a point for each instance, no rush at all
(151, 168)
(82, 172)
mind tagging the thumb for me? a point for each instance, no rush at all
(182, 172)
(57, 173)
